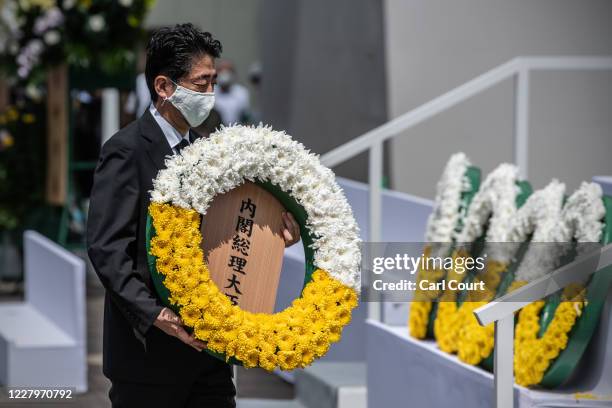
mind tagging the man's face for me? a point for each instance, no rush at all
(202, 76)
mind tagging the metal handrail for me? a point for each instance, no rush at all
(514, 67)
(576, 271)
(501, 311)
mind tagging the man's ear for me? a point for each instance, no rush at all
(163, 86)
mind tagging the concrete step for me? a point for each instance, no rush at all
(332, 385)
(267, 403)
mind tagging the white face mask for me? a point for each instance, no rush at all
(195, 106)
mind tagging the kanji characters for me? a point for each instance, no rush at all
(237, 264)
(249, 206)
(244, 226)
(241, 245)
(233, 283)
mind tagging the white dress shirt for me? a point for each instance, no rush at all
(172, 135)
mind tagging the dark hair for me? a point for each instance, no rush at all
(171, 51)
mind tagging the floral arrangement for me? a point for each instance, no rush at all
(182, 194)
(541, 210)
(493, 205)
(35, 34)
(549, 221)
(581, 219)
(544, 218)
(441, 226)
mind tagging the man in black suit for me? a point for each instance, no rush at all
(149, 357)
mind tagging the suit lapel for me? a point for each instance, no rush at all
(158, 147)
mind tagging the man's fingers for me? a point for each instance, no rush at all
(187, 339)
(198, 343)
(181, 333)
(291, 232)
(287, 235)
(176, 319)
(296, 227)
(175, 328)
(172, 325)
(170, 316)
(286, 221)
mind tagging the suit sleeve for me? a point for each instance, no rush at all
(111, 235)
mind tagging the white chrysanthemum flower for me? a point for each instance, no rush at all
(96, 23)
(495, 204)
(583, 213)
(539, 216)
(445, 214)
(581, 218)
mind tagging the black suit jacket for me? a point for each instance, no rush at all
(134, 349)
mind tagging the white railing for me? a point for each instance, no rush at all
(518, 69)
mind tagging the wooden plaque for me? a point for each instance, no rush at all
(244, 246)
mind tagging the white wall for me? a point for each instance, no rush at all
(435, 45)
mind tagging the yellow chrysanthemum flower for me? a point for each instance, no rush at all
(289, 339)
(533, 354)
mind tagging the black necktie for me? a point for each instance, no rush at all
(181, 145)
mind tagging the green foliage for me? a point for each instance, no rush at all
(22, 163)
(100, 34)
